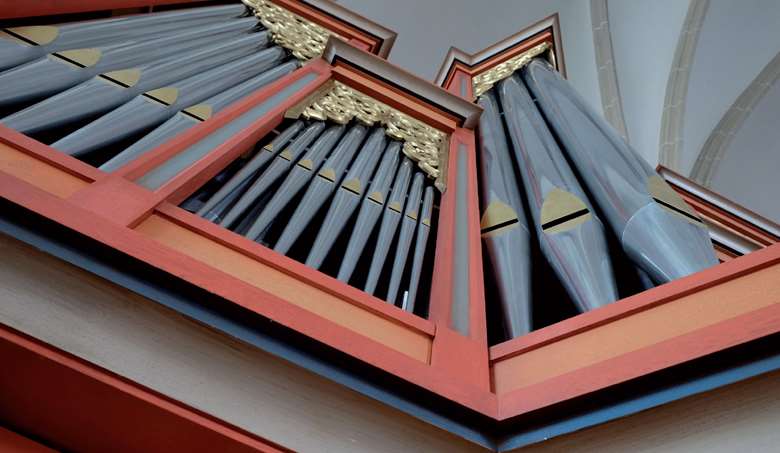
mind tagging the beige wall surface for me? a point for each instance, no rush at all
(134, 337)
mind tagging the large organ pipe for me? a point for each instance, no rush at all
(195, 114)
(61, 70)
(22, 44)
(155, 106)
(107, 91)
(570, 235)
(301, 173)
(657, 229)
(405, 236)
(276, 169)
(391, 216)
(233, 188)
(420, 246)
(504, 226)
(371, 207)
(347, 197)
(321, 187)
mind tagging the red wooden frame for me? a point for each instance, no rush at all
(92, 409)
(147, 225)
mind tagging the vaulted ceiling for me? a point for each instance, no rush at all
(691, 83)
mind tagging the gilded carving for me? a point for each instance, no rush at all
(305, 39)
(341, 104)
(485, 81)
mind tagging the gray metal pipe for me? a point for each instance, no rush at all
(571, 236)
(504, 227)
(405, 236)
(418, 256)
(656, 228)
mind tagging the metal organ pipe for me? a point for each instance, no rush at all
(275, 170)
(107, 91)
(321, 187)
(195, 114)
(153, 107)
(301, 173)
(348, 196)
(570, 235)
(59, 71)
(656, 228)
(420, 246)
(217, 203)
(503, 226)
(371, 207)
(405, 236)
(22, 44)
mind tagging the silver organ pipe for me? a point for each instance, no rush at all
(61, 70)
(153, 107)
(656, 228)
(349, 194)
(405, 236)
(418, 255)
(107, 91)
(571, 237)
(22, 44)
(371, 208)
(195, 114)
(503, 225)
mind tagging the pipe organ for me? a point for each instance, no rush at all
(479, 254)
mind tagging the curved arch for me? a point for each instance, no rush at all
(605, 65)
(671, 136)
(719, 140)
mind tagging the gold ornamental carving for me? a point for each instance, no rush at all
(339, 103)
(485, 81)
(305, 39)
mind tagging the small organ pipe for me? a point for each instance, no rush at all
(196, 114)
(231, 189)
(347, 198)
(321, 187)
(22, 44)
(276, 169)
(300, 175)
(391, 216)
(420, 246)
(154, 107)
(405, 236)
(371, 207)
(107, 91)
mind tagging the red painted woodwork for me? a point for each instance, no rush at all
(456, 354)
(92, 409)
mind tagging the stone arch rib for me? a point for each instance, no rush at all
(671, 136)
(719, 140)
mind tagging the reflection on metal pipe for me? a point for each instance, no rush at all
(275, 170)
(657, 229)
(109, 90)
(300, 174)
(347, 197)
(154, 107)
(61, 70)
(420, 246)
(371, 207)
(504, 226)
(321, 187)
(571, 236)
(232, 189)
(387, 228)
(21, 44)
(405, 236)
(196, 114)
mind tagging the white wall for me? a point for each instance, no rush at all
(644, 38)
(736, 41)
(427, 28)
(750, 170)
